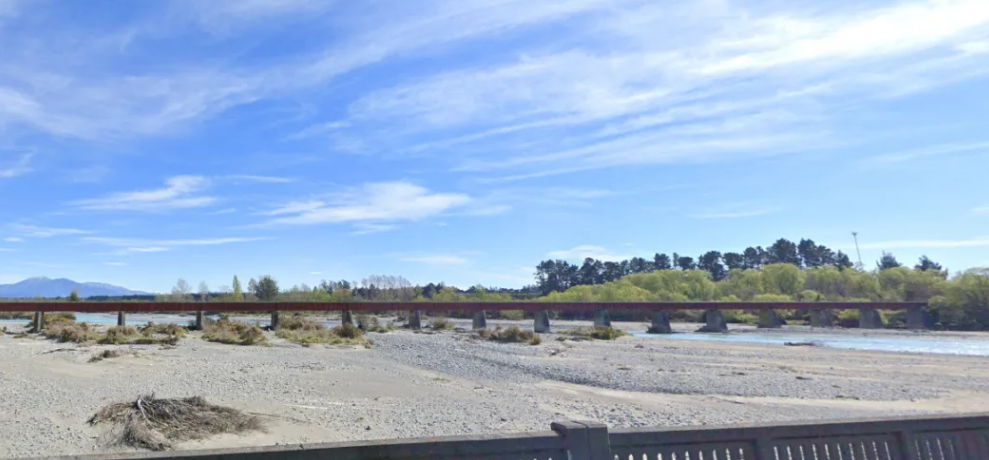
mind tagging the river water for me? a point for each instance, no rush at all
(890, 343)
(929, 343)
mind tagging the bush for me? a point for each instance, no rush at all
(234, 333)
(740, 317)
(118, 335)
(164, 329)
(511, 335)
(848, 318)
(369, 323)
(514, 315)
(599, 332)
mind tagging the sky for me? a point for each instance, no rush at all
(466, 140)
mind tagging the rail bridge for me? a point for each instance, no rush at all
(821, 313)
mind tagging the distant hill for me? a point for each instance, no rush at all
(50, 288)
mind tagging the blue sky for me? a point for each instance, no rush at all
(466, 140)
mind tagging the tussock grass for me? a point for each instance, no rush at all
(369, 323)
(106, 354)
(511, 335)
(440, 324)
(165, 329)
(307, 332)
(599, 333)
(513, 314)
(233, 333)
(157, 424)
(71, 332)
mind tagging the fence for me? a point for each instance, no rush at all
(932, 438)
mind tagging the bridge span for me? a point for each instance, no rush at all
(821, 313)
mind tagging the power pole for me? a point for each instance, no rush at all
(855, 235)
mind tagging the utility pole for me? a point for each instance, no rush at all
(855, 235)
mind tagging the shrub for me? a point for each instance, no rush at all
(599, 332)
(513, 314)
(370, 324)
(165, 329)
(848, 318)
(233, 332)
(17, 315)
(740, 317)
(511, 335)
(119, 335)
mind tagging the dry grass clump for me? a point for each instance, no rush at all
(17, 315)
(440, 324)
(173, 330)
(234, 333)
(156, 424)
(599, 333)
(118, 335)
(511, 335)
(307, 332)
(71, 332)
(106, 354)
(369, 323)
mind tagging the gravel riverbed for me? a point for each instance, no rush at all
(446, 383)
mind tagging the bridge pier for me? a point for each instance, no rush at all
(869, 318)
(198, 326)
(660, 323)
(275, 321)
(121, 318)
(480, 320)
(541, 321)
(820, 317)
(917, 318)
(769, 319)
(602, 318)
(415, 320)
(39, 322)
(346, 317)
(715, 322)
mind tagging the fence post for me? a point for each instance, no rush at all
(584, 440)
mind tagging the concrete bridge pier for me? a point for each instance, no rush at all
(660, 323)
(415, 320)
(39, 322)
(198, 326)
(541, 321)
(275, 321)
(602, 318)
(917, 318)
(870, 318)
(769, 319)
(821, 318)
(715, 322)
(480, 320)
(121, 318)
(346, 317)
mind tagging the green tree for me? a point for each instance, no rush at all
(74, 296)
(887, 261)
(662, 262)
(266, 289)
(925, 264)
(238, 292)
(782, 279)
(711, 263)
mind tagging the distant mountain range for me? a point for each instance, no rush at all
(47, 287)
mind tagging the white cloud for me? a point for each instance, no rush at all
(13, 239)
(367, 229)
(937, 150)
(16, 168)
(374, 202)
(259, 179)
(6, 250)
(981, 210)
(438, 259)
(580, 253)
(179, 192)
(492, 210)
(929, 244)
(315, 273)
(734, 212)
(115, 264)
(32, 231)
(147, 246)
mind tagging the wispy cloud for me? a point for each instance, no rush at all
(18, 167)
(374, 202)
(259, 179)
(33, 231)
(929, 244)
(115, 264)
(150, 243)
(13, 239)
(437, 259)
(367, 229)
(316, 273)
(736, 212)
(579, 253)
(981, 210)
(179, 192)
(6, 250)
(938, 150)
